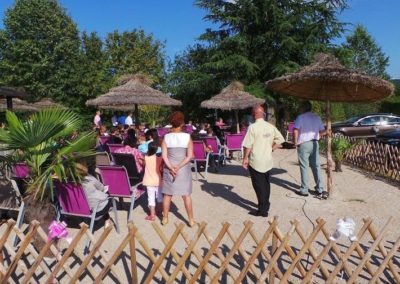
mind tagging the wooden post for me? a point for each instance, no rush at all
(237, 121)
(132, 249)
(273, 250)
(136, 113)
(329, 147)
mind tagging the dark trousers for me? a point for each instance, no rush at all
(262, 187)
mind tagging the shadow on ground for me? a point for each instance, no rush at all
(226, 192)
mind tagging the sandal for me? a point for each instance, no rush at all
(150, 218)
(164, 221)
(322, 196)
(192, 223)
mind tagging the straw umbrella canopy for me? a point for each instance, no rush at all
(10, 92)
(18, 105)
(327, 80)
(232, 97)
(47, 103)
(134, 90)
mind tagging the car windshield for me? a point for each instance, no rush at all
(352, 120)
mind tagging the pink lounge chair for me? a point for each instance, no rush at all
(217, 151)
(73, 202)
(200, 156)
(105, 139)
(20, 170)
(188, 129)
(162, 131)
(234, 142)
(289, 131)
(116, 178)
(114, 147)
(128, 161)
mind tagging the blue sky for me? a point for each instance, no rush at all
(179, 22)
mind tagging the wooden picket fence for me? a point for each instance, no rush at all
(195, 256)
(379, 158)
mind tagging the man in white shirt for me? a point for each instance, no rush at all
(128, 119)
(308, 128)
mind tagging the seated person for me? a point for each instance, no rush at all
(210, 133)
(220, 123)
(130, 144)
(103, 131)
(151, 135)
(116, 137)
(95, 191)
(211, 159)
(203, 130)
(99, 147)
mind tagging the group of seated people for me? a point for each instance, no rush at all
(136, 141)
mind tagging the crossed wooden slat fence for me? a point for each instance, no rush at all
(376, 157)
(252, 255)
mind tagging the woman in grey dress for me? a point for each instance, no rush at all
(177, 152)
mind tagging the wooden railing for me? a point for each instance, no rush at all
(253, 254)
(379, 158)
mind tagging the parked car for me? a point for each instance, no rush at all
(367, 126)
(391, 137)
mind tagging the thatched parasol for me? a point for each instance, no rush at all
(232, 97)
(47, 103)
(18, 105)
(134, 90)
(327, 80)
(10, 92)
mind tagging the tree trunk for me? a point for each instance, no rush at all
(338, 166)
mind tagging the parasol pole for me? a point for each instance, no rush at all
(329, 146)
(136, 114)
(237, 121)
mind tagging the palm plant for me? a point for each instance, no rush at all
(340, 146)
(46, 144)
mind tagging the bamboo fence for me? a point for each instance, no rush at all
(376, 157)
(253, 255)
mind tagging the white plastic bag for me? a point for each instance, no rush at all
(344, 227)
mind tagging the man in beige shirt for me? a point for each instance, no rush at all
(261, 139)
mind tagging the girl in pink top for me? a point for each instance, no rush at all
(152, 179)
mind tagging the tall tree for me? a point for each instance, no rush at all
(135, 52)
(262, 39)
(255, 40)
(361, 52)
(191, 81)
(39, 50)
(96, 79)
(365, 54)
